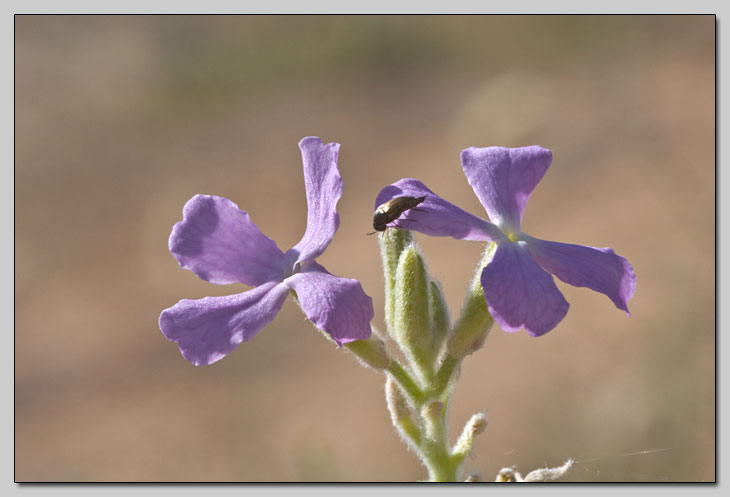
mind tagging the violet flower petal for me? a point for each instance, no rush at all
(323, 183)
(519, 293)
(336, 305)
(219, 242)
(208, 329)
(504, 178)
(599, 269)
(435, 216)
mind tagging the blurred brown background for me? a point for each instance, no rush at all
(120, 120)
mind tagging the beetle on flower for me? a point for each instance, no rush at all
(219, 243)
(518, 289)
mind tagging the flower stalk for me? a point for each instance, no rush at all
(371, 352)
(418, 392)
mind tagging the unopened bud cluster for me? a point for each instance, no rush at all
(418, 322)
(416, 313)
(421, 319)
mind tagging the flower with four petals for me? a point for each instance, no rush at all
(219, 243)
(518, 289)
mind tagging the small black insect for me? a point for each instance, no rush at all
(392, 209)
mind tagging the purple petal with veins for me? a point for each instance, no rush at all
(599, 269)
(208, 329)
(336, 305)
(323, 184)
(519, 293)
(504, 178)
(219, 242)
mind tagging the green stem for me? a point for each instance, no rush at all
(433, 444)
(419, 391)
(410, 388)
(443, 377)
(436, 453)
(442, 469)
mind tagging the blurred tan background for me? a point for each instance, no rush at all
(120, 120)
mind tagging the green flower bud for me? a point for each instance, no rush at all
(474, 324)
(412, 323)
(440, 322)
(397, 403)
(392, 242)
(400, 414)
(412, 296)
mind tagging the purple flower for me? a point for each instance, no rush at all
(519, 291)
(219, 242)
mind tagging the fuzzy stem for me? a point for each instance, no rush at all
(370, 352)
(435, 447)
(407, 384)
(443, 377)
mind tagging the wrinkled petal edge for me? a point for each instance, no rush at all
(323, 184)
(600, 269)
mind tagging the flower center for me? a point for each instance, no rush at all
(509, 230)
(289, 266)
(513, 236)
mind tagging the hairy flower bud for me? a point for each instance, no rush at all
(397, 404)
(400, 414)
(510, 475)
(412, 323)
(440, 322)
(433, 410)
(476, 425)
(392, 242)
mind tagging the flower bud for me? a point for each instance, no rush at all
(475, 321)
(397, 404)
(547, 474)
(510, 475)
(433, 410)
(400, 414)
(476, 425)
(440, 322)
(412, 323)
(392, 242)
